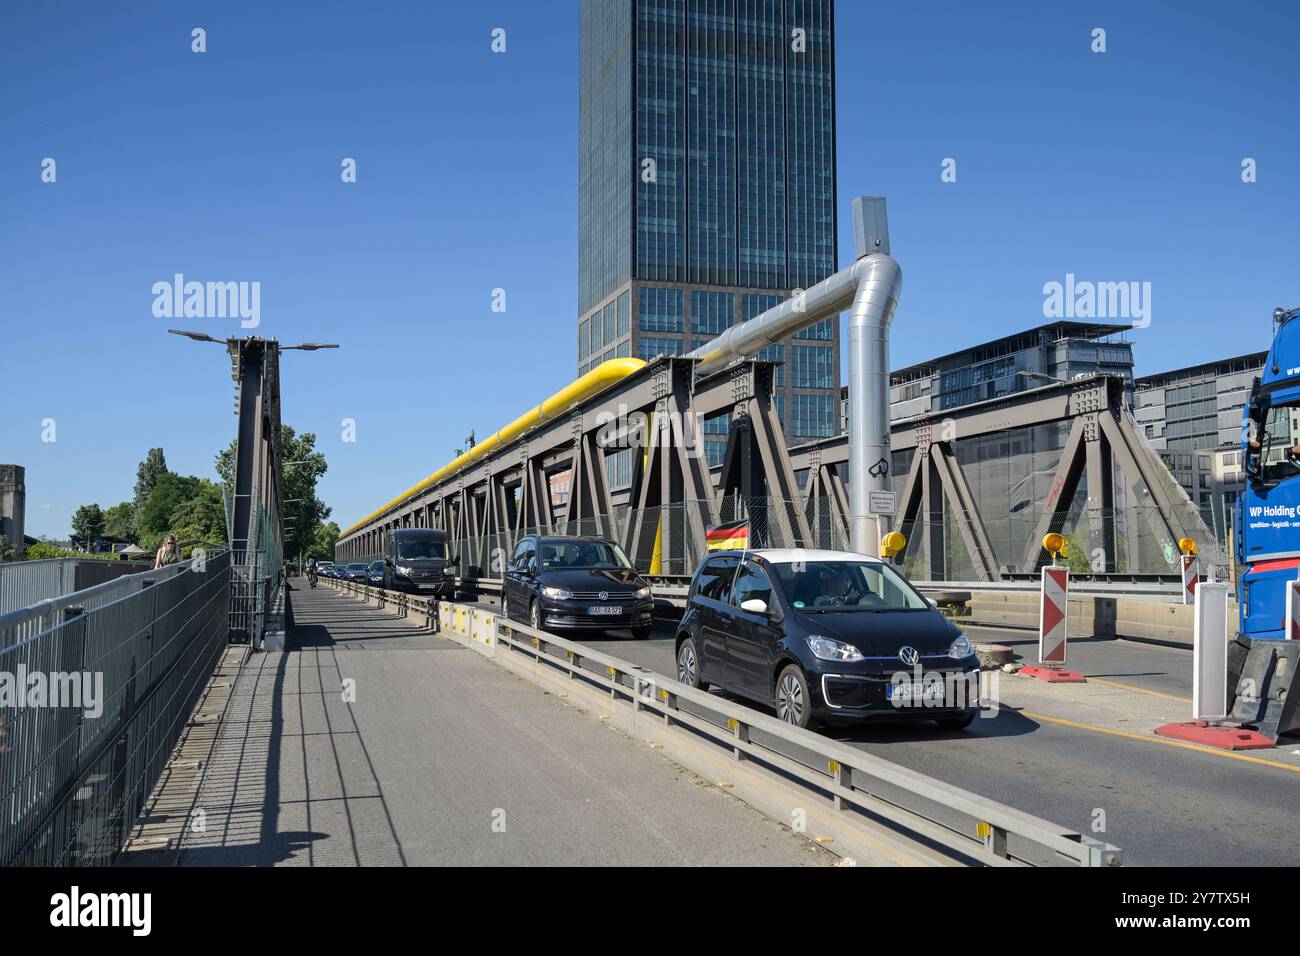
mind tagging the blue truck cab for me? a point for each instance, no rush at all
(1268, 510)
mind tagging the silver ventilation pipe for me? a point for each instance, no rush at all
(870, 287)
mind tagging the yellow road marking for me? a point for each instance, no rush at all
(1153, 739)
(1139, 690)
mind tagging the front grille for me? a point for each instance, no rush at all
(611, 597)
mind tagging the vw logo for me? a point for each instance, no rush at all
(908, 655)
(604, 595)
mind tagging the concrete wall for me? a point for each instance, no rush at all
(13, 504)
(1089, 615)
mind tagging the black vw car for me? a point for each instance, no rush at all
(568, 583)
(824, 635)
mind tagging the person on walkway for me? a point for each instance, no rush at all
(167, 554)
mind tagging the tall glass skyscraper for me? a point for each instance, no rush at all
(707, 184)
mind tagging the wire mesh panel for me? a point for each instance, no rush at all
(24, 583)
(79, 757)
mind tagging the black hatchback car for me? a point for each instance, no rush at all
(824, 635)
(572, 583)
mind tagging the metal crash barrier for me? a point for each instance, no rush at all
(965, 827)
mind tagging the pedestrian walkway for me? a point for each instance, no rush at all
(371, 741)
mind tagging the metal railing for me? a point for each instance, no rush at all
(36, 618)
(23, 583)
(967, 827)
(76, 766)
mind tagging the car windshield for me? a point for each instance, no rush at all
(416, 548)
(376, 565)
(1279, 443)
(846, 586)
(585, 555)
(356, 567)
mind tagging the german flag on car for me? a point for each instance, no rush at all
(726, 537)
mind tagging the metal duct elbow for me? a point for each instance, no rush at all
(879, 285)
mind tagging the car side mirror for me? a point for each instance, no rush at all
(754, 606)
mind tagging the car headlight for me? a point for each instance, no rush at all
(404, 569)
(825, 649)
(961, 647)
(557, 594)
(643, 593)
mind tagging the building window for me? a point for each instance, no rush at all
(597, 334)
(624, 314)
(822, 332)
(814, 416)
(650, 347)
(661, 310)
(753, 303)
(711, 312)
(813, 367)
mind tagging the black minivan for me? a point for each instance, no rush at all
(824, 635)
(575, 583)
(415, 560)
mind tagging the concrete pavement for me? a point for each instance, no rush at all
(441, 757)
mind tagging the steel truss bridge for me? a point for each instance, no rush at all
(1106, 484)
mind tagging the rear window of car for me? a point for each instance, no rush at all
(714, 580)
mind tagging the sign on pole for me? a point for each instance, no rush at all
(1055, 598)
(881, 503)
(1210, 652)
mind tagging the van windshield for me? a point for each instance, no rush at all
(846, 586)
(585, 555)
(415, 548)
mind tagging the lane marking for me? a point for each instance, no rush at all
(1139, 690)
(1153, 739)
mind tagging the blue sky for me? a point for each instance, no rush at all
(1120, 166)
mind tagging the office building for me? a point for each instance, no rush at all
(1003, 366)
(707, 185)
(1192, 417)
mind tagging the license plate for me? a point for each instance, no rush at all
(605, 609)
(428, 587)
(916, 691)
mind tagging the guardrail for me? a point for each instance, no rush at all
(969, 828)
(120, 679)
(24, 622)
(23, 583)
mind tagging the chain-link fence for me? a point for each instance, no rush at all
(256, 577)
(106, 693)
(1138, 541)
(948, 545)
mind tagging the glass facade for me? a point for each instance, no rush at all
(707, 155)
(711, 313)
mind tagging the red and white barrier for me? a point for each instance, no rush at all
(1053, 612)
(1054, 608)
(1191, 578)
(1292, 627)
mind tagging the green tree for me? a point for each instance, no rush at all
(304, 467)
(323, 541)
(119, 521)
(147, 474)
(7, 551)
(88, 524)
(201, 515)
